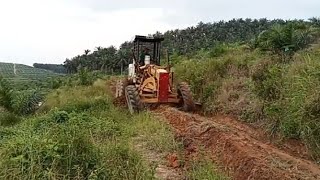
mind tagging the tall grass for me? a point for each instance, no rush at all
(203, 168)
(77, 134)
(258, 87)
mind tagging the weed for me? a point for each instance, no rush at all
(155, 133)
(8, 119)
(204, 168)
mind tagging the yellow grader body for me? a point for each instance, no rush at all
(148, 82)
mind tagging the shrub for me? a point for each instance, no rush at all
(86, 78)
(26, 102)
(267, 79)
(301, 101)
(60, 116)
(60, 156)
(80, 148)
(55, 83)
(217, 50)
(8, 119)
(286, 39)
(5, 94)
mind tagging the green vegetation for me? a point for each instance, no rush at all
(205, 36)
(264, 72)
(260, 87)
(80, 139)
(24, 77)
(204, 169)
(19, 102)
(78, 134)
(57, 68)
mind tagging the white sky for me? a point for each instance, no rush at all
(49, 31)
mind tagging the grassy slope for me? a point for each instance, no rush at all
(79, 134)
(23, 71)
(257, 87)
(24, 74)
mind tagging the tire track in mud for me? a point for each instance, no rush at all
(236, 147)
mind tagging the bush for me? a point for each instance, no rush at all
(282, 96)
(286, 39)
(55, 83)
(26, 102)
(8, 119)
(60, 116)
(217, 50)
(301, 101)
(267, 79)
(82, 147)
(5, 94)
(63, 155)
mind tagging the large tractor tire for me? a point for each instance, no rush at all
(133, 99)
(120, 87)
(186, 98)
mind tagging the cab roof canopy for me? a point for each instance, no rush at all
(147, 39)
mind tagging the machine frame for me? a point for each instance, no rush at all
(150, 83)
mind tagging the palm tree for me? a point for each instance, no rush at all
(87, 51)
(288, 38)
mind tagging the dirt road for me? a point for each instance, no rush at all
(238, 148)
(241, 151)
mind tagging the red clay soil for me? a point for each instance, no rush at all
(238, 148)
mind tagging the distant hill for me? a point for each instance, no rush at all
(24, 75)
(10, 70)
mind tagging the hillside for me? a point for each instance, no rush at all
(9, 70)
(22, 75)
(260, 116)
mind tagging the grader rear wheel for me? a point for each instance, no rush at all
(186, 98)
(120, 87)
(133, 99)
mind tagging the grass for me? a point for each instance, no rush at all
(8, 119)
(155, 133)
(259, 87)
(71, 141)
(204, 169)
(79, 134)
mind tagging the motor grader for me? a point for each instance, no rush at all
(149, 83)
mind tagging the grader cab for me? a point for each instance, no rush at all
(148, 82)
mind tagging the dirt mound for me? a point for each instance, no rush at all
(236, 147)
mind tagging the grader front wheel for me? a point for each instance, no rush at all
(133, 99)
(186, 98)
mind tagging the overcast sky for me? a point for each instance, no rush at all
(49, 31)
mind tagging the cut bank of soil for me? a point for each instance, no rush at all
(238, 148)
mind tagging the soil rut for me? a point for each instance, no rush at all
(236, 147)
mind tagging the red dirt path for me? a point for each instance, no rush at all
(239, 149)
(242, 151)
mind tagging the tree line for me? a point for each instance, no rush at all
(270, 35)
(57, 68)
